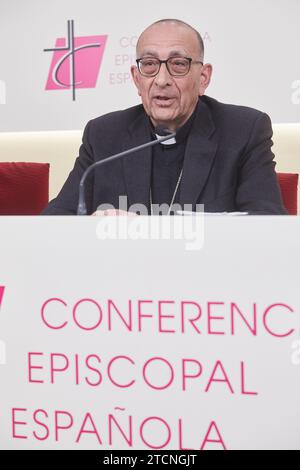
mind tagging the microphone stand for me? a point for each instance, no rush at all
(81, 209)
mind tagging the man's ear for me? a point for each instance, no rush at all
(206, 73)
(135, 76)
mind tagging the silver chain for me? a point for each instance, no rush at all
(173, 198)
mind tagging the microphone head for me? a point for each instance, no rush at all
(162, 131)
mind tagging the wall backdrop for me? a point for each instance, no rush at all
(66, 61)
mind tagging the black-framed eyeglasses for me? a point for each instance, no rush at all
(176, 66)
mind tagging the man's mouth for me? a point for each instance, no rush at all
(162, 99)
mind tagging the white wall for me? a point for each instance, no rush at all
(252, 45)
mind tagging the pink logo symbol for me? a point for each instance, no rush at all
(77, 63)
(2, 288)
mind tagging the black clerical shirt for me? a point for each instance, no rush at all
(167, 164)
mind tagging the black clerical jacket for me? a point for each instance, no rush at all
(228, 162)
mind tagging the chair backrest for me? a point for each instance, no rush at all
(288, 183)
(24, 188)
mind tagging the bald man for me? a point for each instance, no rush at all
(221, 156)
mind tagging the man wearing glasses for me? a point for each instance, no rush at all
(221, 156)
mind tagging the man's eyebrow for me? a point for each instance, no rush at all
(175, 53)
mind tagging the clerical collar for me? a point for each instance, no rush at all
(181, 133)
(166, 142)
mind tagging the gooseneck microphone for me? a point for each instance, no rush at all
(160, 131)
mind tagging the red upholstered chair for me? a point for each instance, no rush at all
(24, 188)
(288, 183)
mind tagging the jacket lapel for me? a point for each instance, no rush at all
(199, 155)
(137, 167)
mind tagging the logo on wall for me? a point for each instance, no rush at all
(2, 288)
(75, 62)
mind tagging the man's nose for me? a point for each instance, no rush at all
(163, 77)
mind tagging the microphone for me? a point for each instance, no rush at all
(159, 130)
